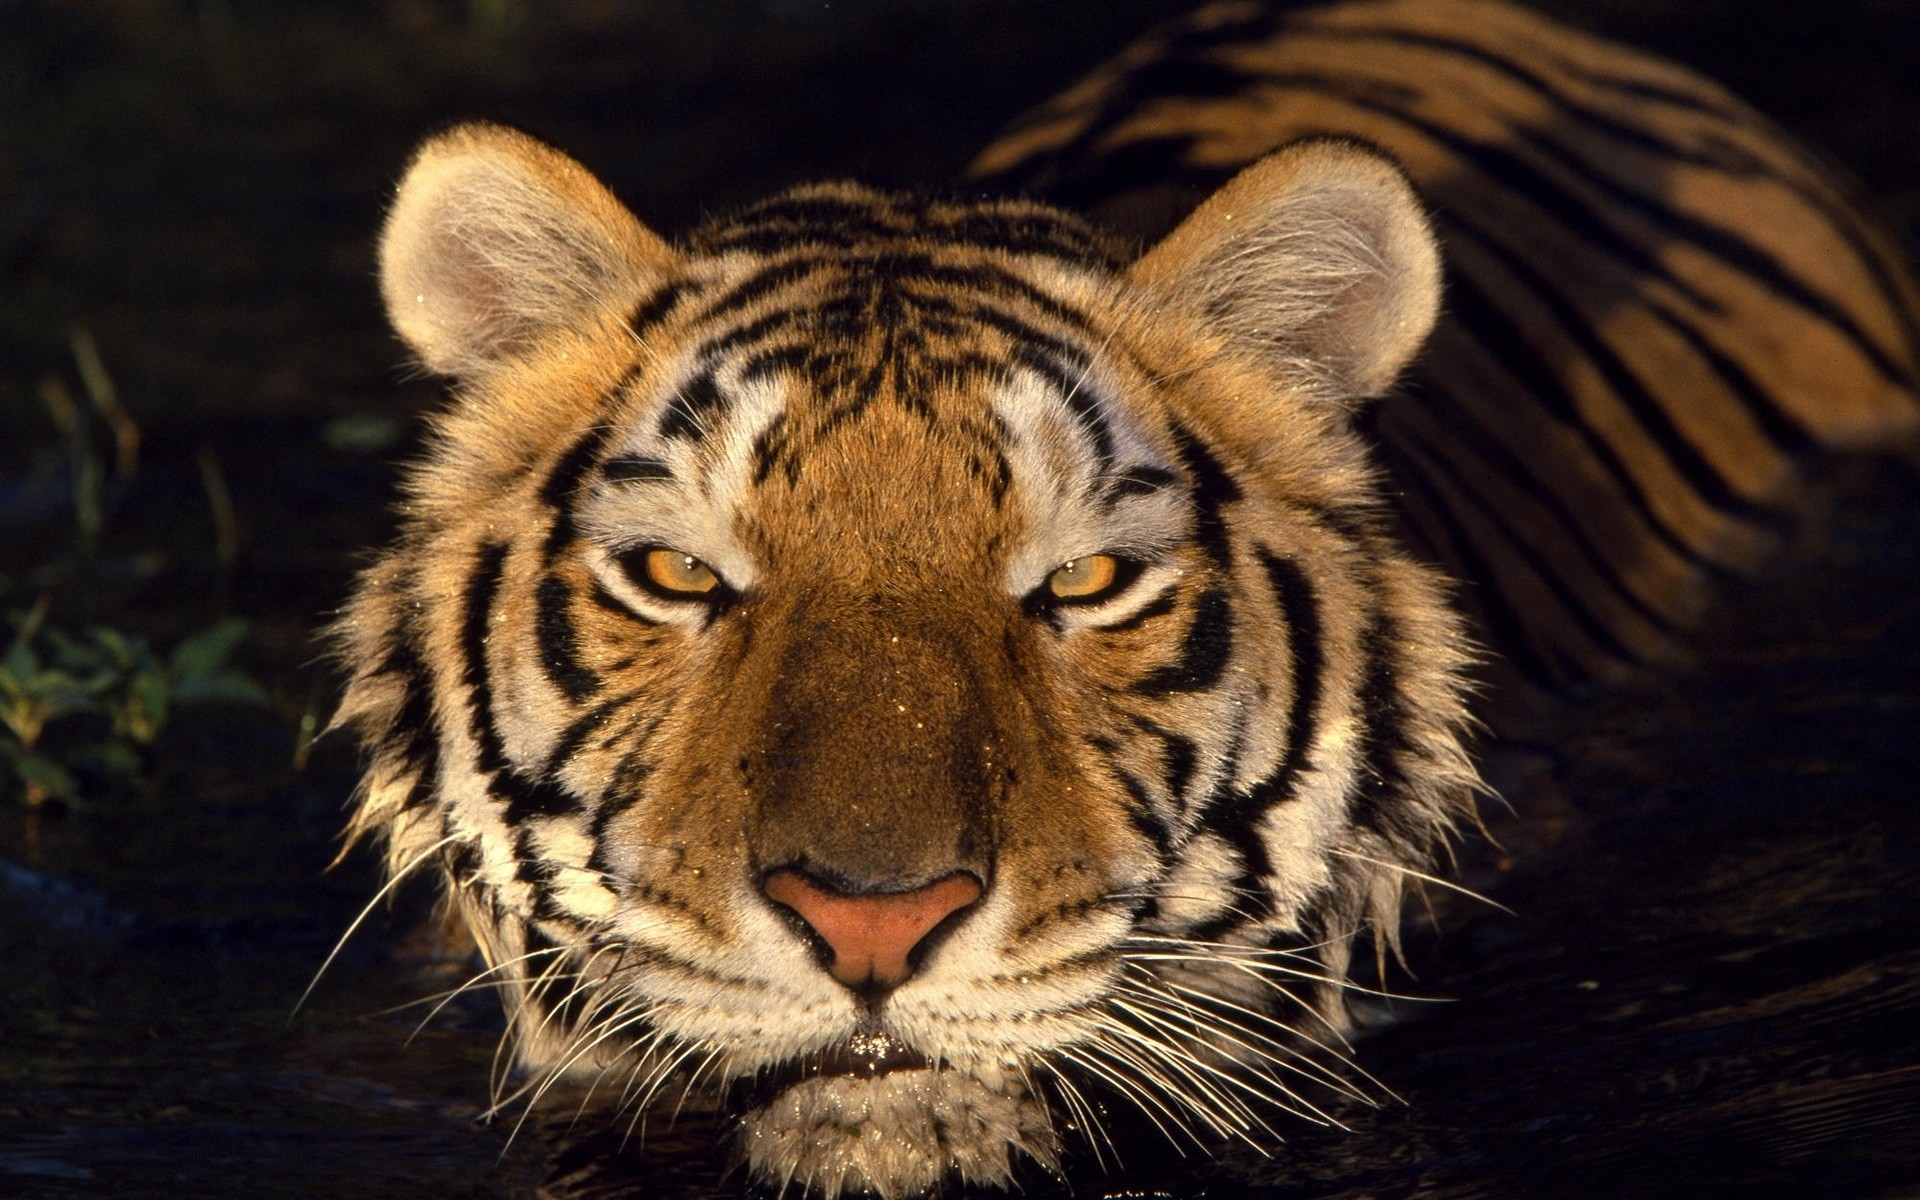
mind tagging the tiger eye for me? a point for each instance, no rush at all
(677, 571)
(1084, 577)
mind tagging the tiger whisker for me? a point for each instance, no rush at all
(386, 890)
(1424, 877)
(479, 982)
(1190, 1068)
(1122, 1043)
(1080, 1110)
(1268, 1017)
(1343, 1057)
(1223, 1114)
(1126, 1088)
(608, 1029)
(536, 993)
(686, 1089)
(659, 1076)
(1255, 967)
(1289, 1056)
(1282, 1055)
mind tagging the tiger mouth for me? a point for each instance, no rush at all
(864, 1054)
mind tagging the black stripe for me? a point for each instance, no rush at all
(476, 625)
(690, 411)
(533, 797)
(1027, 339)
(1781, 427)
(1178, 755)
(584, 725)
(463, 860)
(1719, 152)
(1213, 489)
(564, 480)
(1181, 65)
(410, 734)
(767, 447)
(1505, 627)
(1204, 652)
(1068, 380)
(1512, 171)
(761, 284)
(613, 605)
(559, 640)
(1381, 801)
(1461, 422)
(1572, 600)
(797, 358)
(1141, 813)
(785, 223)
(1506, 345)
(1300, 609)
(1159, 606)
(634, 468)
(1233, 815)
(1744, 256)
(654, 309)
(1135, 481)
(1654, 416)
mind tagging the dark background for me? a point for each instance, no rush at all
(1711, 983)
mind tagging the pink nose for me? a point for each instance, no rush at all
(872, 936)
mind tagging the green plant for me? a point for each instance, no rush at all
(115, 678)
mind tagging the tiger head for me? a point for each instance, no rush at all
(890, 668)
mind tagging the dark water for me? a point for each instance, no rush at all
(1710, 985)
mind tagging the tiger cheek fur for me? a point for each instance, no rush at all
(888, 666)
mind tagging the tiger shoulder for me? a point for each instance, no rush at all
(915, 676)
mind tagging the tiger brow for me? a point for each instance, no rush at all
(633, 467)
(1140, 480)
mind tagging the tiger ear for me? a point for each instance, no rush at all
(496, 240)
(1318, 256)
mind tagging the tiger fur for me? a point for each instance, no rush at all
(735, 671)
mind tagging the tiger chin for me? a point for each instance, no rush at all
(907, 674)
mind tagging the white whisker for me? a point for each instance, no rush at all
(413, 864)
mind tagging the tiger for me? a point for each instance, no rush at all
(914, 673)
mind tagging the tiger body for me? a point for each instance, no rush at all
(891, 667)
(1658, 306)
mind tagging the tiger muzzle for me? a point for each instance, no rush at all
(873, 786)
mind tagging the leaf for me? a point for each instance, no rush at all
(41, 773)
(21, 661)
(144, 706)
(58, 694)
(122, 650)
(219, 687)
(204, 652)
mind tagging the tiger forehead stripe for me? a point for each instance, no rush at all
(843, 221)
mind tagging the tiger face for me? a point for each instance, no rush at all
(890, 669)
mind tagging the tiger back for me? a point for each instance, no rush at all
(1658, 309)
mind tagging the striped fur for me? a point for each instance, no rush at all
(1658, 308)
(880, 424)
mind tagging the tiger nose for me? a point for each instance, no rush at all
(872, 935)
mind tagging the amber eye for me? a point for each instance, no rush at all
(672, 574)
(1089, 579)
